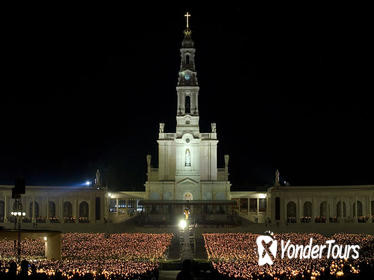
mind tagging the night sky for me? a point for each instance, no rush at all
(87, 88)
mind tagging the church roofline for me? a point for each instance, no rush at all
(326, 187)
(70, 188)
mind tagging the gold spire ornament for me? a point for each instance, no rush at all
(187, 15)
(187, 31)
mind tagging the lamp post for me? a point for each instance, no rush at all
(17, 215)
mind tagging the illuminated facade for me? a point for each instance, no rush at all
(62, 207)
(187, 159)
(49, 204)
(307, 204)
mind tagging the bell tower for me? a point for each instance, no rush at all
(187, 159)
(187, 87)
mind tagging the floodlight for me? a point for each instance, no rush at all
(182, 224)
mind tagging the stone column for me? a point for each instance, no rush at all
(183, 107)
(192, 104)
(341, 210)
(258, 209)
(89, 210)
(197, 103)
(33, 210)
(356, 217)
(61, 208)
(91, 217)
(76, 206)
(5, 209)
(313, 209)
(298, 211)
(248, 207)
(117, 206)
(47, 213)
(178, 104)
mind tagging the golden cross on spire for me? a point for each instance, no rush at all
(187, 15)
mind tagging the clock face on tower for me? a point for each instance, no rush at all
(187, 76)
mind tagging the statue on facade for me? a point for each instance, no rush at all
(188, 158)
(277, 180)
(98, 178)
(214, 128)
(149, 157)
(162, 126)
(227, 157)
(186, 213)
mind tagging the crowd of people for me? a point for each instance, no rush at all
(136, 256)
(91, 256)
(30, 248)
(124, 246)
(235, 256)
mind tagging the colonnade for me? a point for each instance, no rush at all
(337, 209)
(52, 209)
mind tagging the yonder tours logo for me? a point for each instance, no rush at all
(267, 247)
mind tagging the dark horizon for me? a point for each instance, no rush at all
(88, 91)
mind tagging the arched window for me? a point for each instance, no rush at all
(323, 209)
(187, 59)
(307, 209)
(36, 214)
(51, 209)
(359, 209)
(291, 209)
(188, 158)
(188, 105)
(83, 209)
(68, 209)
(338, 210)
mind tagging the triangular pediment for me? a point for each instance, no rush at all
(186, 181)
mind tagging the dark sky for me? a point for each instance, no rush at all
(86, 87)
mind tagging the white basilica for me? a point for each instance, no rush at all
(187, 159)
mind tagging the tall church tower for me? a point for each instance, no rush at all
(187, 87)
(187, 159)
